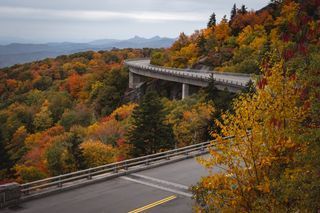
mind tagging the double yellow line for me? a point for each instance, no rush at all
(151, 205)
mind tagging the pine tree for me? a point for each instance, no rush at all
(75, 150)
(212, 20)
(233, 12)
(149, 134)
(243, 9)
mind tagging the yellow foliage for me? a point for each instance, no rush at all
(190, 128)
(124, 111)
(222, 30)
(97, 153)
(263, 126)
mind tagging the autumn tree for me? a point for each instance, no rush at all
(222, 30)
(265, 127)
(16, 147)
(271, 164)
(96, 153)
(43, 119)
(149, 134)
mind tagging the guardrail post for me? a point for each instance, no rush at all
(202, 147)
(59, 182)
(115, 170)
(26, 192)
(167, 157)
(125, 165)
(147, 162)
(89, 175)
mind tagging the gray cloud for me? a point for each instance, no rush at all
(81, 20)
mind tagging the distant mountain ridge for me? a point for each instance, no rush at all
(22, 52)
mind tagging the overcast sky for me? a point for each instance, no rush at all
(85, 20)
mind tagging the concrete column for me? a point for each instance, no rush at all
(134, 80)
(185, 91)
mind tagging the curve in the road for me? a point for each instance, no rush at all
(235, 81)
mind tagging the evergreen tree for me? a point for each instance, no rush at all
(233, 12)
(5, 162)
(16, 147)
(149, 134)
(212, 20)
(222, 101)
(75, 150)
(243, 9)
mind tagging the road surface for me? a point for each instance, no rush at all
(162, 189)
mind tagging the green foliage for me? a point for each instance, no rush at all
(81, 115)
(106, 96)
(149, 134)
(57, 158)
(29, 173)
(212, 21)
(43, 119)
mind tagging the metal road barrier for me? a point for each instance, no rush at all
(189, 73)
(76, 179)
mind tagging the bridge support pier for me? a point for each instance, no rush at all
(185, 91)
(134, 80)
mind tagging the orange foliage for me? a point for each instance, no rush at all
(75, 84)
(251, 18)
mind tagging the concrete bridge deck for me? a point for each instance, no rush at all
(140, 68)
(161, 189)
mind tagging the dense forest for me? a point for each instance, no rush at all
(272, 163)
(69, 113)
(235, 45)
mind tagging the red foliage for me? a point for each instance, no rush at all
(262, 83)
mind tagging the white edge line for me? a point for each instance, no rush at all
(158, 187)
(162, 181)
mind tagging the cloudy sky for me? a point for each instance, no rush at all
(86, 20)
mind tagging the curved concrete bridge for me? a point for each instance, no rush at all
(141, 68)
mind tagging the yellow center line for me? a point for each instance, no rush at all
(151, 205)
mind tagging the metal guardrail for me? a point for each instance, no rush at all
(113, 169)
(193, 74)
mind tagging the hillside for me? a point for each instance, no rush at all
(21, 53)
(234, 45)
(66, 114)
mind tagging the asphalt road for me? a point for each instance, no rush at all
(162, 189)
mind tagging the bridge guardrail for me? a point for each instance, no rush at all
(191, 70)
(113, 170)
(180, 73)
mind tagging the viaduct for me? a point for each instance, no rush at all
(140, 69)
